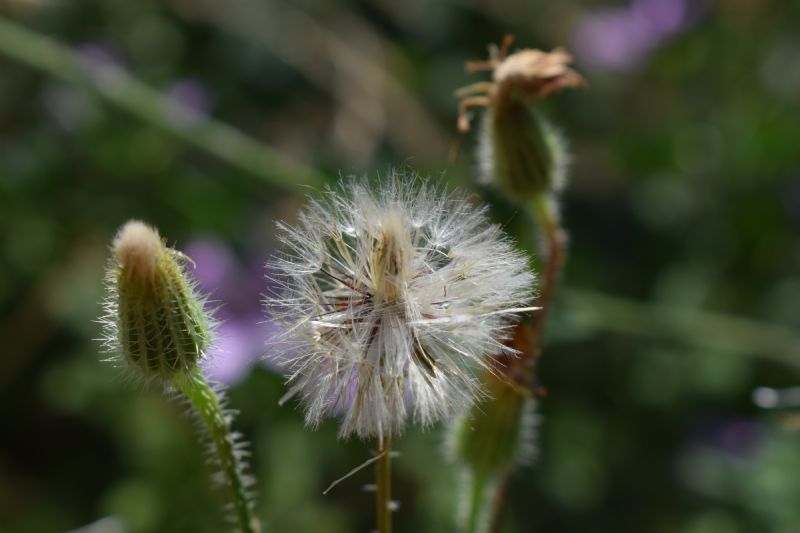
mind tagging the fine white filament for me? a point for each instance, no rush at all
(391, 298)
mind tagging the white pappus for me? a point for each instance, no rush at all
(391, 298)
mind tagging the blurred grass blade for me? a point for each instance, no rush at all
(599, 311)
(117, 87)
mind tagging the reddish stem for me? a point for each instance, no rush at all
(554, 241)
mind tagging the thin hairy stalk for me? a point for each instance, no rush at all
(499, 503)
(383, 486)
(118, 88)
(205, 401)
(546, 216)
(477, 494)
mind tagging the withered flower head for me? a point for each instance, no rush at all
(518, 150)
(527, 74)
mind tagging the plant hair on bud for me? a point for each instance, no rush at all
(156, 325)
(154, 322)
(391, 298)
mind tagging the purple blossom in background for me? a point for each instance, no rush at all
(98, 55)
(621, 38)
(733, 435)
(187, 102)
(100, 62)
(236, 289)
(240, 343)
(214, 264)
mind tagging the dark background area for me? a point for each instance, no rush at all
(681, 294)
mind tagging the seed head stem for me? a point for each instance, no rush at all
(383, 483)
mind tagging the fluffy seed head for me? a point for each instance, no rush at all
(391, 298)
(154, 320)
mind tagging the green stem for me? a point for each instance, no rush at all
(383, 486)
(476, 504)
(205, 401)
(545, 213)
(498, 493)
(546, 216)
(117, 87)
(483, 491)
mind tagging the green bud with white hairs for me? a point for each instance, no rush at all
(158, 325)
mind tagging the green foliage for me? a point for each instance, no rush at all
(683, 200)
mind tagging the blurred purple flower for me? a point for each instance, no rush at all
(95, 55)
(621, 38)
(187, 102)
(214, 263)
(736, 436)
(240, 343)
(101, 63)
(243, 331)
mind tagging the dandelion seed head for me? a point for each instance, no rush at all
(391, 299)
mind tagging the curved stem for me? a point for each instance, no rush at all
(383, 484)
(205, 401)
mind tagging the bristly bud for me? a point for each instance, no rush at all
(496, 436)
(519, 151)
(391, 299)
(154, 322)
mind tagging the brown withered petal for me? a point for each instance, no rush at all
(536, 73)
(525, 75)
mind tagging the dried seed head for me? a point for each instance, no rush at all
(391, 298)
(154, 320)
(518, 150)
(535, 74)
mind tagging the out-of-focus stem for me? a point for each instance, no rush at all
(546, 216)
(548, 219)
(498, 503)
(204, 400)
(383, 484)
(117, 87)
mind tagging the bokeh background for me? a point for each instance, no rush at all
(681, 295)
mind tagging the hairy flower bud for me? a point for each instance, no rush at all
(155, 322)
(520, 152)
(495, 436)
